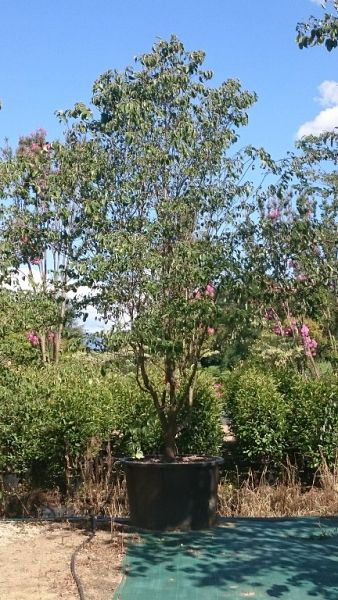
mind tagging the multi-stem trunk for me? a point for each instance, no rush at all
(167, 418)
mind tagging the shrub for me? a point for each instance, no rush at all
(203, 433)
(283, 413)
(313, 416)
(258, 413)
(49, 416)
(20, 419)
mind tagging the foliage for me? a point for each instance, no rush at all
(203, 433)
(313, 416)
(146, 205)
(49, 416)
(43, 186)
(258, 412)
(291, 344)
(289, 251)
(24, 316)
(161, 237)
(281, 413)
(320, 31)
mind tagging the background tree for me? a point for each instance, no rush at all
(316, 32)
(44, 188)
(290, 250)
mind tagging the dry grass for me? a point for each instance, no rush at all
(286, 497)
(249, 498)
(94, 486)
(102, 491)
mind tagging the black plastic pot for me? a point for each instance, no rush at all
(172, 495)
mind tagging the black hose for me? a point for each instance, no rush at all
(76, 552)
(73, 565)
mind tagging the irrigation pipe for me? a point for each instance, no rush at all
(73, 566)
(77, 550)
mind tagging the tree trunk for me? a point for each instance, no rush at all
(43, 345)
(58, 335)
(169, 437)
(57, 344)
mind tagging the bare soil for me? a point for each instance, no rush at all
(35, 562)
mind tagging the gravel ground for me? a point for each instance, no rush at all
(35, 562)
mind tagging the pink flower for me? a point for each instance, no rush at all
(35, 261)
(302, 277)
(274, 213)
(288, 331)
(197, 294)
(33, 338)
(210, 291)
(278, 330)
(211, 331)
(310, 346)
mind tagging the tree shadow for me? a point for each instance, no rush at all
(258, 558)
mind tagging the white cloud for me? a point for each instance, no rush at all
(318, 2)
(20, 280)
(93, 323)
(328, 93)
(327, 119)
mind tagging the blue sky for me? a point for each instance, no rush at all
(51, 52)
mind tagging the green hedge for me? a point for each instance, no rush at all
(203, 433)
(275, 415)
(50, 413)
(258, 412)
(312, 415)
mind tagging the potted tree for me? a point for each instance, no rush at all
(161, 237)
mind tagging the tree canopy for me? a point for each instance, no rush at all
(323, 31)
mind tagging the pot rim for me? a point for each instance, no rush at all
(148, 461)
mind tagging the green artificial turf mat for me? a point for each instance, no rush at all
(289, 559)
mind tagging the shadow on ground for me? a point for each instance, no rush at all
(290, 559)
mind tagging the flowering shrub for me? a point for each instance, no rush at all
(297, 332)
(33, 144)
(164, 240)
(41, 226)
